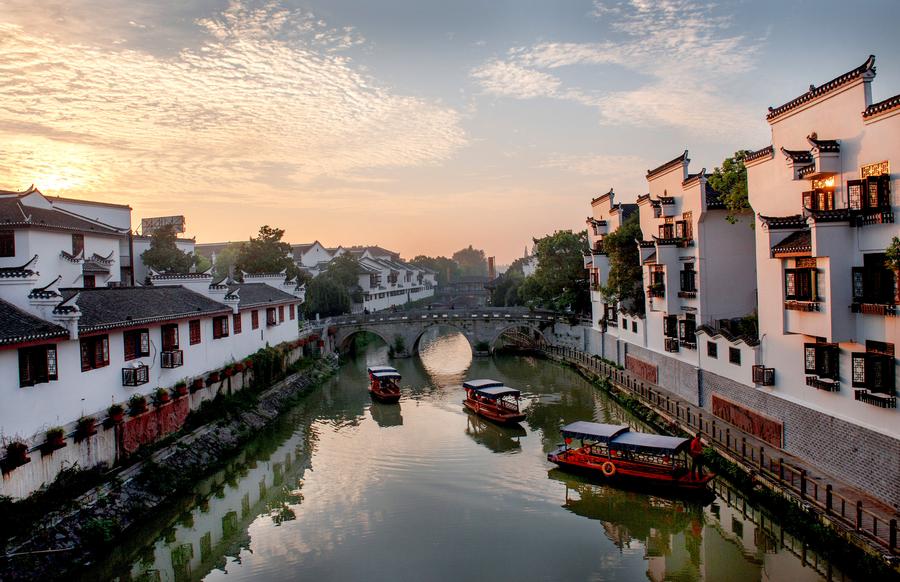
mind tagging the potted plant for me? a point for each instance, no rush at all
(248, 363)
(137, 404)
(86, 426)
(16, 454)
(227, 372)
(116, 413)
(181, 388)
(56, 437)
(161, 396)
(212, 379)
(239, 367)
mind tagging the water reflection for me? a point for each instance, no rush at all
(347, 489)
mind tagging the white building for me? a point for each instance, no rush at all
(827, 305)
(386, 281)
(313, 257)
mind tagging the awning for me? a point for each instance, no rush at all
(479, 384)
(593, 430)
(377, 369)
(650, 443)
(385, 375)
(498, 392)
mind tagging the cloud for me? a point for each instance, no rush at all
(266, 93)
(686, 51)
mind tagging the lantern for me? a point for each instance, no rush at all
(568, 440)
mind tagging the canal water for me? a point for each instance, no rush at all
(347, 489)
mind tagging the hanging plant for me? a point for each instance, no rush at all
(16, 454)
(239, 367)
(56, 437)
(212, 379)
(86, 426)
(197, 385)
(116, 413)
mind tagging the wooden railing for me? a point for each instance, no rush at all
(746, 450)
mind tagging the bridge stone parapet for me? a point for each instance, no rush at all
(482, 327)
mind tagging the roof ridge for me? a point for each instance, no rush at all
(668, 165)
(815, 92)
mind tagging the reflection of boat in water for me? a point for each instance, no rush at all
(614, 452)
(499, 439)
(384, 383)
(494, 401)
(386, 415)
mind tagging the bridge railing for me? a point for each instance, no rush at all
(449, 314)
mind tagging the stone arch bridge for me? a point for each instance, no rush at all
(482, 327)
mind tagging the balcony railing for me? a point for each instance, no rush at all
(801, 305)
(171, 359)
(135, 376)
(687, 294)
(880, 400)
(877, 216)
(672, 344)
(656, 291)
(764, 376)
(822, 384)
(885, 309)
(688, 344)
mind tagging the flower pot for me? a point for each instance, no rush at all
(197, 385)
(117, 417)
(181, 390)
(17, 454)
(164, 398)
(248, 364)
(57, 441)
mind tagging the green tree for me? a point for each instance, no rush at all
(730, 180)
(471, 261)
(560, 280)
(447, 269)
(505, 292)
(326, 297)
(267, 253)
(624, 285)
(226, 259)
(201, 263)
(345, 271)
(163, 255)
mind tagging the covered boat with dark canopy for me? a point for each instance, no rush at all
(494, 401)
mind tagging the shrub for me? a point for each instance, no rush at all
(137, 404)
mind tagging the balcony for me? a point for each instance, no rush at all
(672, 344)
(656, 290)
(875, 216)
(135, 376)
(792, 305)
(763, 376)
(822, 384)
(687, 294)
(171, 359)
(880, 400)
(689, 345)
(885, 309)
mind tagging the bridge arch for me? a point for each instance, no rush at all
(414, 345)
(343, 341)
(541, 338)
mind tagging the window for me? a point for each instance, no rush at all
(254, 319)
(734, 356)
(270, 316)
(687, 329)
(821, 359)
(7, 243)
(688, 219)
(712, 350)
(667, 230)
(670, 326)
(90, 281)
(37, 364)
(624, 323)
(77, 244)
(854, 194)
(292, 310)
(194, 331)
(137, 343)
(220, 327)
(94, 352)
(169, 333)
(874, 368)
(236, 323)
(610, 311)
(688, 278)
(873, 282)
(281, 314)
(634, 327)
(818, 199)
(800, 283)
(679, 229)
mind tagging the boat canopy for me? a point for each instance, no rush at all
(386, 374)
(593, 431)
(377, 369)
(479, 384)
(649, 443)
(497, 392)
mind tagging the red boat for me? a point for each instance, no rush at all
(614, 452)
(384, 383)
(494, 401)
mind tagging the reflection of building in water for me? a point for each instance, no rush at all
(386, 415)
(499, 439)
(218, 525)
(728, 540)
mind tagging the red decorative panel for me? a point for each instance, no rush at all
(152, 426)
(641, 369)
(749, 421)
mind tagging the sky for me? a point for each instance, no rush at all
(419, 125)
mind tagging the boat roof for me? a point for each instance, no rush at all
(497, 391)
(376, 369)
(482, 383)
(386, 374)
(654, 443)
(593, 430)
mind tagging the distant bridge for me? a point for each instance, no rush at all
(482, 327)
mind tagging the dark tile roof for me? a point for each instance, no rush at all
(888, 104)
(113, 307)
(91, 266)
(796, 242)
(627, 210)
(798, 156)
(668, 165)
(780, 222)
(867, 67)
(761, 153)
(91, 202)
(17, 326)
(836, 215)
(20, 271)
(823, 145)
(713, 198)
(258, 294)
(14, 213)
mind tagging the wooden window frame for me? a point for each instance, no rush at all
(94, 352)
(734, 356)
(281, 314)
(195, 332)
(7, 243)
(292, 311)
(89, 281)
(271, 316)
(254, 319)
(688, 278)
(712, 350)
(169, 337)
(77, 244)
(220, 326)
(236, 323)
(38, 365)
(136, 343)
(822, 359)
(801, 284)
(670, 326)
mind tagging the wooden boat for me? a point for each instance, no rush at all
(384, 383)
(494, 401)
(614, 452)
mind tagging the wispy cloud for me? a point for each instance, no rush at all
(266, 90)
(688, 53)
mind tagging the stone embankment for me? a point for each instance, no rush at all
(68, 541)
